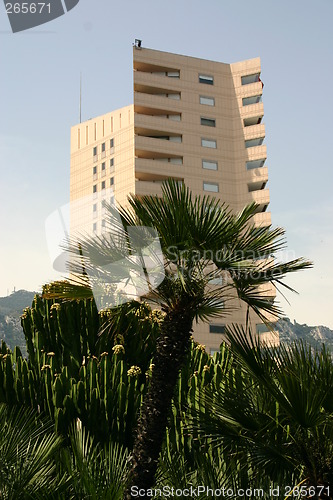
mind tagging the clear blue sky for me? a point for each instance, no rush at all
(39, 85)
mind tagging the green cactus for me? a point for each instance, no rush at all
(73, 373)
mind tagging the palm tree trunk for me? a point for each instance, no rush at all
(171, 350)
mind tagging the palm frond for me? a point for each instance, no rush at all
(28, 447)
(99, 473)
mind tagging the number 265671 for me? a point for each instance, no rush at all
(27, 8)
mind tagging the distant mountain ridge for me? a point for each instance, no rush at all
(315, 335)
(16, 301)
(11, 308)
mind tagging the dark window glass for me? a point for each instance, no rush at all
(216, 328)
(206, 79)
(209, 122)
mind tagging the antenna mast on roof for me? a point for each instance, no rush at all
(80, 96)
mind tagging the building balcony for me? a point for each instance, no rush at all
(263, 219)
(255, 164)
(158, 113)
(145, 167)
(148, 187)
(147, 147)
(144, 80)
(252, 121)
(249, 89)
(260, 197)
(248, 79)
(256, 152)
(251, 143)
(155, 123)
(257, 176)
(253, 131)
(252, 110)
(142, 100)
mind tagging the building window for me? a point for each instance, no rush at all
(95, 153)
(216, 328)
(208, 143)
(251, 100)
(208, 122)
(112, 163)
(111, 144)
(94, 173)
(103, 150)
(212, 187)
(103, 224)
(254, 142)
(103, 185)
(173, 74)
(95, 210)
(103, 169)
(95, 188)
(112, 181)
(250, 79)
(208, 101)
(209, 80)
(112, 202)
(95, 227)
(209, 165)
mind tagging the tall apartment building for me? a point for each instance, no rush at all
(195, 120)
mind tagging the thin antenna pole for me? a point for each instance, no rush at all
(80, 96)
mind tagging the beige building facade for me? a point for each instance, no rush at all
(194, 120)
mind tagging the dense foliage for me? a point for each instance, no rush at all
(249, 417)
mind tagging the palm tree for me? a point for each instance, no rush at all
(201, 240)
(275, 415)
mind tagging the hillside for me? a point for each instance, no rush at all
(11, 308)
(16, 302)
(314, 335)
